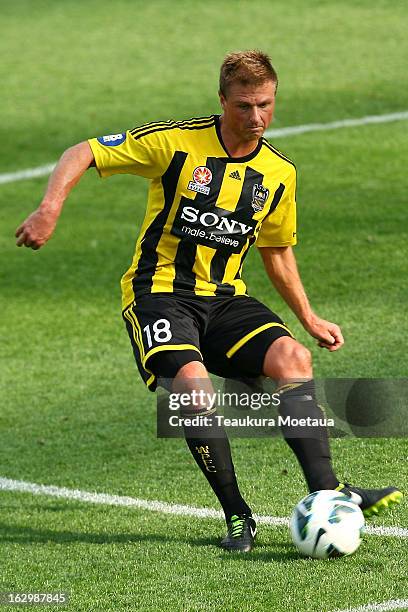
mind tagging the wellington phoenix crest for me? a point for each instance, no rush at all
(259, 196)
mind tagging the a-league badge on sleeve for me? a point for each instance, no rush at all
(112, 140)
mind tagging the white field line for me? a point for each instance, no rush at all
(336, 125)
(21, 175)
(7, 484)
(392, 604)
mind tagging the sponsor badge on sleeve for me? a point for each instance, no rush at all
(112, 140)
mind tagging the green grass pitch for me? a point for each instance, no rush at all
(73, 411)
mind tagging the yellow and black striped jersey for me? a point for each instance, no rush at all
(205, 209)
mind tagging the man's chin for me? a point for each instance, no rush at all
(254, 133)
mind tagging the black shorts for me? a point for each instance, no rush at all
(230, 335)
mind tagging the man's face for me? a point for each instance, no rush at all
(248, 110)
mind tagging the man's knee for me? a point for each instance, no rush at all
(301, 356)
(287, 358)
(168, 364)
(180, 368)
(193, 379)
(192, 370)
(192, 376)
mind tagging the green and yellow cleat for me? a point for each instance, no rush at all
(241, 534)
(371, 501)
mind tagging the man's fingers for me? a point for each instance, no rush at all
(329, 347)
(335, 344)
(327, 338)
(327, 334)
(25, 240)
(35, 231)
(21, 240)
(339, 336)
(333, 335)
(326, 344)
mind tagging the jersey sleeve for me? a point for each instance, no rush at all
(279, 226)
(148, 156)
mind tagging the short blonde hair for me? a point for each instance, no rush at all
(247, 68)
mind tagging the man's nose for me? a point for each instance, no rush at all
(255, 115)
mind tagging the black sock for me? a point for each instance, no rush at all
(210, 448)
(310, 444)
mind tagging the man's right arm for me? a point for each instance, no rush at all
(38, 228)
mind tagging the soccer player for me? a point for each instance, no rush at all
(216, 188)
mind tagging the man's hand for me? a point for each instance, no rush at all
(328, 334)
(36, 230)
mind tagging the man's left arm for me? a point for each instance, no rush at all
(280, 264)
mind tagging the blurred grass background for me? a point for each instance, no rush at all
(73, 411)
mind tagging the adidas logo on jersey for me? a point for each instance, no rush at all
(235, 175)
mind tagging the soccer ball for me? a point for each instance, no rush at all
(327, 524)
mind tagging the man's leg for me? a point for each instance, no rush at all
(290, 364)
(171, 350)
(209, 445)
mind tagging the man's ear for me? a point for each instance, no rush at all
(222, 99)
